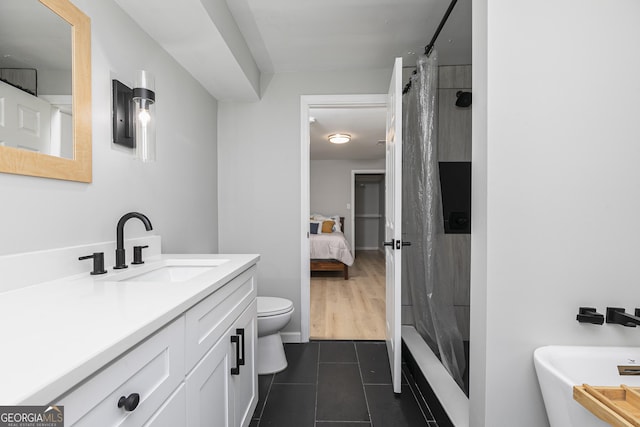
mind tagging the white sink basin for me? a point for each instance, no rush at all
(172, 273)
(172, 270)
(559, 368)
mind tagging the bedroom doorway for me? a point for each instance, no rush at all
(333, 307)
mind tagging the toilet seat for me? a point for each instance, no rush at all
(273, 306)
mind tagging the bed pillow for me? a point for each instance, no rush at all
(315, 227)
(336, 226)
(327, 226)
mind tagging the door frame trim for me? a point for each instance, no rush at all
(307, 102)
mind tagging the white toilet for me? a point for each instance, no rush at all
(273, 315)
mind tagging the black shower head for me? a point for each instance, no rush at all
(464, 99)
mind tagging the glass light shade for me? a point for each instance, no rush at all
(145, 131)
(145, 116)
(339, 138)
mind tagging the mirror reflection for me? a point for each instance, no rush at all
(35, 79)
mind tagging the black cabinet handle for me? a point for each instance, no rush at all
(391, 243)
(240, 332)
(129, 403)
(235, 339)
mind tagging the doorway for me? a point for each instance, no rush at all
(367, 215)
(340, 203)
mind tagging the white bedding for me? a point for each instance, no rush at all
(331, 246)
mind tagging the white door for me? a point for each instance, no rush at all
(393, 221)
(25, 120)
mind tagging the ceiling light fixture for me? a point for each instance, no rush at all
(339, 138)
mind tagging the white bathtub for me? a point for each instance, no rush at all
(559, 368)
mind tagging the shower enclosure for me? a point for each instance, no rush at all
(428, 268)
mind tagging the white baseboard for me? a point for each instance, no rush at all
(293, 337)
(367, 248)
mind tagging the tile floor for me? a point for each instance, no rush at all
(338, 384)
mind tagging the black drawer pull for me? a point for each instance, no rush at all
(129, 403)
(240, 331)
(235, 339)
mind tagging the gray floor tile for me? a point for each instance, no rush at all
(374, 362)
(338, 352)
(323, 386)
(290, 405)
(343, 424)
(302, 366)
(391, 410)
(340, 393)
(264, 384)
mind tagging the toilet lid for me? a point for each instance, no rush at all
(270, 306)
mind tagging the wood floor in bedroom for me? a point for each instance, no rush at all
(351, 309)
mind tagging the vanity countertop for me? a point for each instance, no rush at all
(55, 334)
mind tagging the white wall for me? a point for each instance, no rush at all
(555, 189)
(259, 173)
(178, 193)
(330, 186)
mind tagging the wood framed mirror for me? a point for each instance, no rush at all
(77, 167)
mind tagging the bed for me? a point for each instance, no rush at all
(329, 251)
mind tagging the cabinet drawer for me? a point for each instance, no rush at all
(153, 369)
(207, 321)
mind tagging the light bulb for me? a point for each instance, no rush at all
(144, 117)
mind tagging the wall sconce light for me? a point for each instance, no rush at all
(134, 116)
(339, 138)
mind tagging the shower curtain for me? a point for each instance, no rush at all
(426, 269)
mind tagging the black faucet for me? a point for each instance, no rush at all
(120, 258)
(620, 317)
(589, 315)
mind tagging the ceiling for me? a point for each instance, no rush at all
(366, 126)
(300, 35)
(306, 35)
(227, 44)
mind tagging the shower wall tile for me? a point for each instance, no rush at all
(454, 76)
(454, 128)
(462, 313)
(457, 247)
(406, 315)
(454, 145)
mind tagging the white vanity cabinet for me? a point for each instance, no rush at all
(152, 370)
(171, 413)
(199, 370)
(222, 388)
